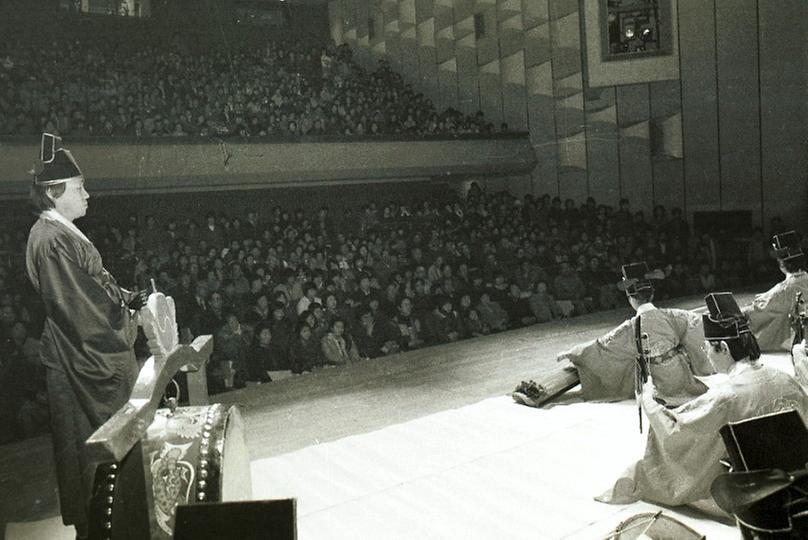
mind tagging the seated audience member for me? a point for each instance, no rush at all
(473, 325)
(309, 296)
(769, 312)
(499, 289)
(441, 324)
(518, 308)
(606, 365)
(684, 449)
(281, 328)
(304, 351)
(706, 278)
(338, 347)
(364, 292)
(409, 326)
(230, 353)
(542, 304)
(260, 310)
(374, 338)
(264, 355)
(212, 318)
(570, 288)
(492, 313)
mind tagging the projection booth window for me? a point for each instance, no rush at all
(634, 28)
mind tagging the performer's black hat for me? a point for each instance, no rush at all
(637, 278)
(725, 319)
(787, 246)
(57, 164)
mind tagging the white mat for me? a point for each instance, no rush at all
(488, 470)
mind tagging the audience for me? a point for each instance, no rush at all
(107, 78)
(293, 292)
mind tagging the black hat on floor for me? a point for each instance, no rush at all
(725, 319)
(637, 278)
(787, 246)
(57, 164)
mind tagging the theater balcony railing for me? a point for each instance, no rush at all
(170, 164)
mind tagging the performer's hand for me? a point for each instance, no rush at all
(139, 300)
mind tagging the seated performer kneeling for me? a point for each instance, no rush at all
(684, 446)
(672, 347)
(769, 312)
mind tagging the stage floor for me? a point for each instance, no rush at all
(422, 444)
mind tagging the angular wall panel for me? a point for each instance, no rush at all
(699, 111)
(738, 99)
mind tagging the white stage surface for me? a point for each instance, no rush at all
(489, 470)
(422, 445)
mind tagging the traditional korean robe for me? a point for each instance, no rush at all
(684, 447)
(86, 347)
(675, 338)
(768, 312)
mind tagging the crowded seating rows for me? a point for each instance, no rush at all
(285, 291)
(107, 78)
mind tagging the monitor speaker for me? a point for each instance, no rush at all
(244, 520)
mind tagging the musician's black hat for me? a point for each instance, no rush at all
(725, 319)
(787, 245)
(57, 164)
(637, 278)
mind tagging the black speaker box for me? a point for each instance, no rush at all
(772, 441)
(246, 520)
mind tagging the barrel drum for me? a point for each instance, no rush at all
(191, 455)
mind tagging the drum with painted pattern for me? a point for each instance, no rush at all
(193, 455)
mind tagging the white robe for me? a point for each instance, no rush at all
(768, 312)
(606, 365)
(684, 446)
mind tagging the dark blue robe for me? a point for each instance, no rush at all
(87, 350)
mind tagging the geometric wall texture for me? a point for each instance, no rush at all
(729, 133)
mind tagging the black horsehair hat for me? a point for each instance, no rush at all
(787, 245)
(637, 277)
(57, 164)
(725, 319)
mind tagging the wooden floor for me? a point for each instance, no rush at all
(300, 412)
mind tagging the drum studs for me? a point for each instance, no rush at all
(113, 466)
(206, 435)
(108, 511)
(110, 487)
(108, 525)
(200, 496)
(111, 477)
(204, 451)
(203, 474)
(203, 463)
(110, 500)
(202, 484)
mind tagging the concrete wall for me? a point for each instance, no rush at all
(722, 127)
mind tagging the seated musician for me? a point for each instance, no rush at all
(769, 312)
(673, 348)
(684, 447)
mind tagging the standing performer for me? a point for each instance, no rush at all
(684, 447)
(769, 312)
(672, 347)
(89, 329)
